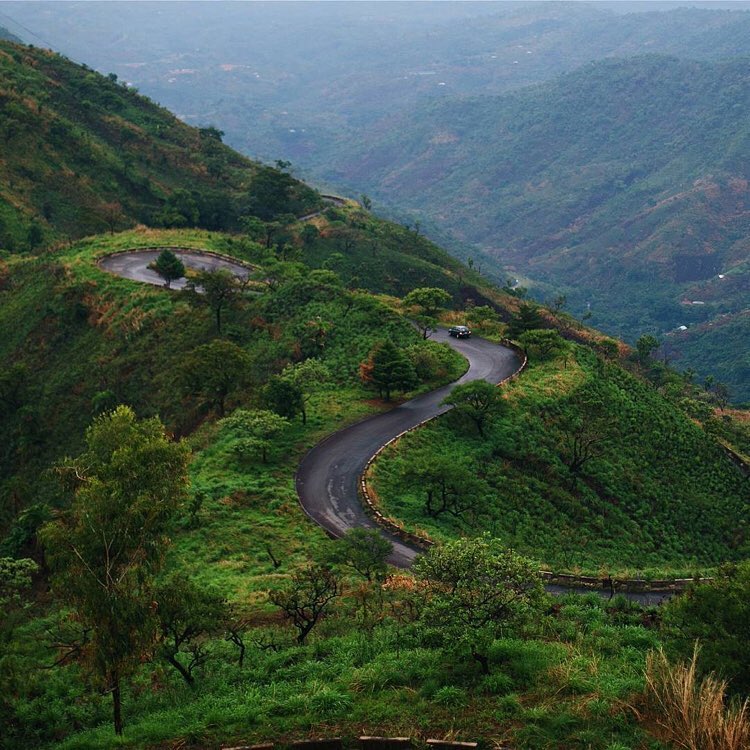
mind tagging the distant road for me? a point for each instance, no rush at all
(328, 476)
(134, 265)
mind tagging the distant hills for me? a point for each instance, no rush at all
(7, 35)
(624, 183)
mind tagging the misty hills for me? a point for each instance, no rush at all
(625, 183)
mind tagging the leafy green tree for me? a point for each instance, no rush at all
(283, 397)
(481, 314)
(186, 616)
(309, 376)
(105, 550)
(449, 486)
(388, 369)
(220, 289)
(273, 193)
(646, 346)
(716, 615)
(427, 302)
(255, 430)
(527, 318)
(213, 371)
(169, 267)
(473, 590)
(306, 596)
(544, 342)
(478, 401)
(179, 210)
(365, 551)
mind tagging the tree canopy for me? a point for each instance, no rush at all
(105, 550)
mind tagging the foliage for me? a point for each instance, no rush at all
(427, 302)
(186, 615)
(169, 267)
(365, 551)
(543, 343)
(284, 397)
(388, 369)
(220, 289)
(478, 401)
(213, 371)
(714, 614)
(528, 318)
(15, 580)
(105, 549)
(474, 590)
(306, 596)
(254, 430)
(308, 376)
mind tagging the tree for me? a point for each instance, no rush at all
(308, 594)
(213, 371)
(186, 615)
(478, 401)
(364, 551)
(449, 486)
(105, 550)
(545, 342)
(255, 430)
(473, 590)
(365, 201)
(716, 614)
(220, 289)
(283, 397)
(527, 318)
(169, 267)
(389, 369)
(427, 302)
(646, 346)
(308, 376)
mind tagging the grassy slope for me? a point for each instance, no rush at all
(661, 497)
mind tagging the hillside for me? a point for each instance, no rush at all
(623, 184)
(86, 154)
(154, 434)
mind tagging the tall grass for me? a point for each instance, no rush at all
(694, 713)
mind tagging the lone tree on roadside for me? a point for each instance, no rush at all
(527, 318)
(388, 369)
(473, 590)
(105, 550)
(305, 597)
(478, 401)
(427, 302)
(169, 267)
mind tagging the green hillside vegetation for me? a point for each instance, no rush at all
(632, 170)
(152, 548)
(584, 468)
(86, 154)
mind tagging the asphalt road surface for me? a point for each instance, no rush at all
(134, 265)
(328, 476)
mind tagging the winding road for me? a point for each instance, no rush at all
(328, 476)
(134, 265)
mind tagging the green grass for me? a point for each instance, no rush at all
(660, 499)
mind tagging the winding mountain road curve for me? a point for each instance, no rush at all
(134, 264)
(328, 476)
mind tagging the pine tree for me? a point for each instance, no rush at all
(391, 370)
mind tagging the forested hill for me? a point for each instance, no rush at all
(83, 153)
(626, 182)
